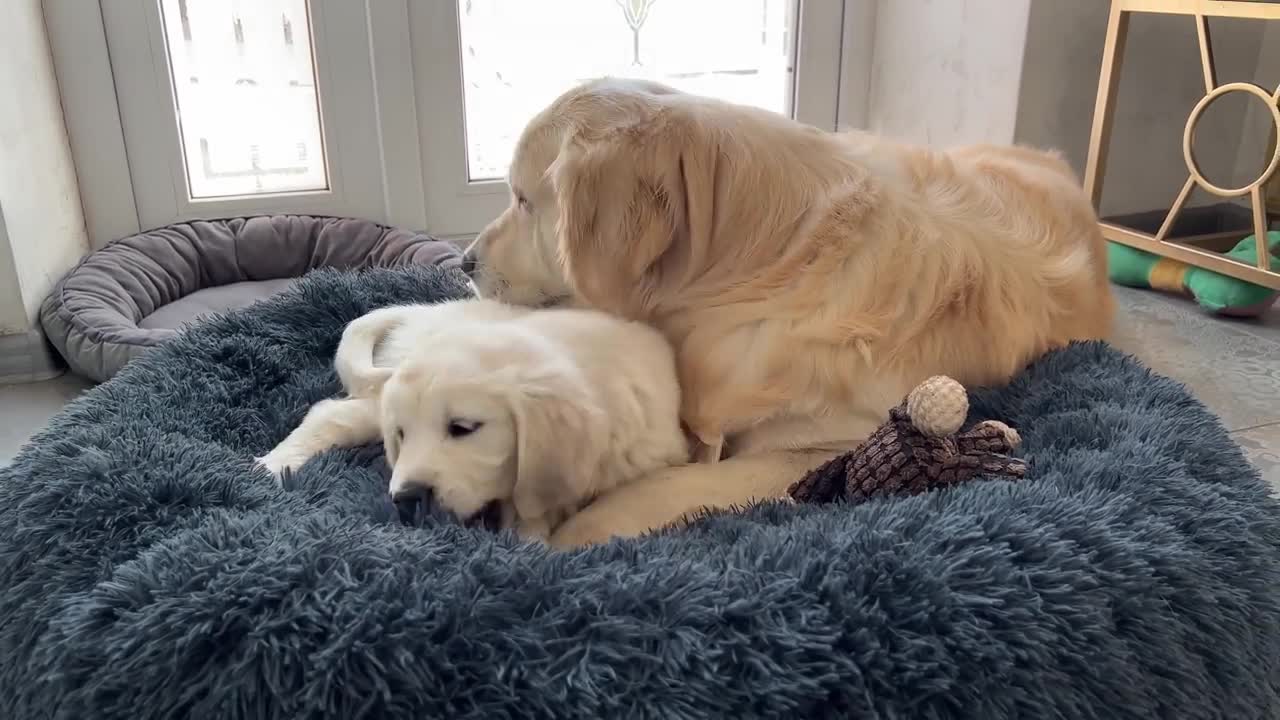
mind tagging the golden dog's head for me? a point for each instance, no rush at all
(623, 191)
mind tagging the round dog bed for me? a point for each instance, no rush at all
(149, 570)
(137, 292)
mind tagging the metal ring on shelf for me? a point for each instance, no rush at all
(1188, 152)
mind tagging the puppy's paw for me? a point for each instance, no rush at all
(276, 464)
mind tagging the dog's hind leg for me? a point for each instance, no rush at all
(345, 422)
(675, 493)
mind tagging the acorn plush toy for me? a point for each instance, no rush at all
(920, 448)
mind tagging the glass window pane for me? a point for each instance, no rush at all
(518, 55)
(247, 103)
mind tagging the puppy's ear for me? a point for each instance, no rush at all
(626, 197)
(559, 444)
(390, 434)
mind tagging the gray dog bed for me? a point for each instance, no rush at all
(137, 292)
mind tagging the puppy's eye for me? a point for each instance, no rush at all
(462, 428)
(523, 203)
(399, 434)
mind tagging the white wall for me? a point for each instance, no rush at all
(947, 72)
(950, 72)
(13, 314)
(42, 227)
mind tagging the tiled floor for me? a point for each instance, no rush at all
(1232, 366)
(25, 409)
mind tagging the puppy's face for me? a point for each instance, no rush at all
(453, 440)
(494, 424)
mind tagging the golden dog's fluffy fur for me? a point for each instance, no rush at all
(807, 279)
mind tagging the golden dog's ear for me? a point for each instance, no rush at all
(627, 197)
(559, 445)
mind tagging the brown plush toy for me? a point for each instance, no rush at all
(920, 448)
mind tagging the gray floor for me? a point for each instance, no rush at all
(1232, 366)
(25, 409)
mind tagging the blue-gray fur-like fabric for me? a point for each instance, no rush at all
(147, 571)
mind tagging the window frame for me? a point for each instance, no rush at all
(394, 143)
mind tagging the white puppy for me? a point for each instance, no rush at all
(506, 416)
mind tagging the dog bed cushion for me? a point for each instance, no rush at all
(137, 292)
(149, 570)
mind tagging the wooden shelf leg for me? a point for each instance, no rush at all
(1176, 210)
(1259, 202)
(1206, 54)
(1104, 106)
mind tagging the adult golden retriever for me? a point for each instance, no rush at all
(808, 280)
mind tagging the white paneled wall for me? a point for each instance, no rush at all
(947, 72)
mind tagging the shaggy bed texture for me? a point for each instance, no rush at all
(147, 570)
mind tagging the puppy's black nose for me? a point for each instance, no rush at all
(412, 503)
(469, 263)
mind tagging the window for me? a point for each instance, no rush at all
(517, 56)
(400, 111)
(246, 97)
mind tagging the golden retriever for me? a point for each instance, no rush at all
(506, 417)
(807, 279)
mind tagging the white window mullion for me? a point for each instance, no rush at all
(455, 206)
(78, 44)
(816, 79)
(401, 160)
(149, 139)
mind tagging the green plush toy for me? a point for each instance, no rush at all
(1215, 292)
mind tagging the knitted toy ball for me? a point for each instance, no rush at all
(923, 446)
(938, 406)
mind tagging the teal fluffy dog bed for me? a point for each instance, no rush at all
(148, 570)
